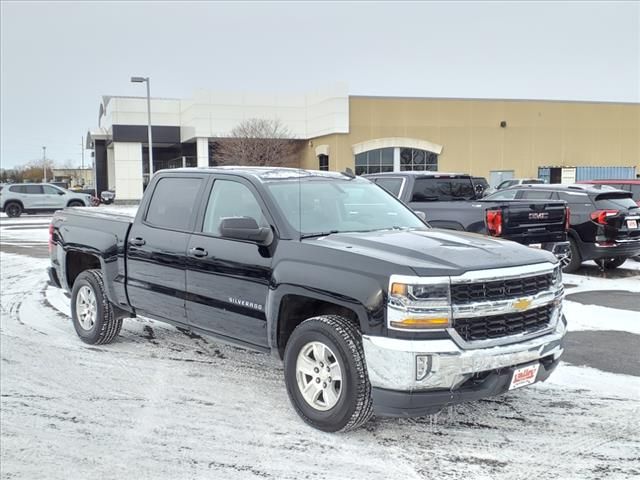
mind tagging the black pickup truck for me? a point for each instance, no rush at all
(370, 308)
(453, 201)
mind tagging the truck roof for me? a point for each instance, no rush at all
(586, 187)
(421, 173)
(263, 174)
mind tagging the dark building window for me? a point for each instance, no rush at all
(323, 162)
(374, 161)
(414, 159)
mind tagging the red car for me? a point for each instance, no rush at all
(630, 185)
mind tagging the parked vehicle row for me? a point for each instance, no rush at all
(19, 198)
(370, 308)
(453, 201)
(604, 223)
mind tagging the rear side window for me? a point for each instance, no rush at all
(173, 203)
(33, 189)
(574, 198)
(502, 195)
(536, 195)
(614, 201)
(442, 189)
(391, 185)
(17, 189)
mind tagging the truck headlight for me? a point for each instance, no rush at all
(424, 306)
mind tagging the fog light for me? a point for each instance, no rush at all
(423, 366)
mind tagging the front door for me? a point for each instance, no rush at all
(227, 279)
(53, 197)
(156, 260)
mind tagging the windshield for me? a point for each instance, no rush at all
(332, 206)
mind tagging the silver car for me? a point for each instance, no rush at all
(38, 197)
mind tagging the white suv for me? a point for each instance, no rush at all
(38, 197)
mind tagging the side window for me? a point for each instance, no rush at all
(504, 195)
(33, 189)
(505, 184)
(173, 202)
(574, 198)
(17, 189)
(536, 194)
(49, 190)
(231, 199)
(391, 185)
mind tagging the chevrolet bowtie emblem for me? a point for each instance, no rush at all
(521, 304)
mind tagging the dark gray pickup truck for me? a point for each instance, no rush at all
(370, 308)
(453, 201)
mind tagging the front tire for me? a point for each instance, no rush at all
(317, 349)
(13, 209)
(75, 203)
(93, 315)
(573, 261)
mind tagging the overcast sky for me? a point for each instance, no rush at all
(59, 58)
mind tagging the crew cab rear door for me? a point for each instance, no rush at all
(228, 279)
(157, 247)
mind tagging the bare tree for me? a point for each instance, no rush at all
(260, 142)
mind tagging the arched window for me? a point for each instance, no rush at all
(414, 159)
(375, 161)
(395, 159)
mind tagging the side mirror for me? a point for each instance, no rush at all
(244, 228)
(60, 192)
(421, 215)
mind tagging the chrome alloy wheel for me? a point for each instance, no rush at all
(86, 307)
(319, 376)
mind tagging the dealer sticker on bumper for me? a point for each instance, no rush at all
(524, 376)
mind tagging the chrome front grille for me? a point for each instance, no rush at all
(496, 326)
(465, 293)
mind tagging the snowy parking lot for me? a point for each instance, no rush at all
(161, 403)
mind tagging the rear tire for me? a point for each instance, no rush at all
(349, 405)
(613, 263)
(574, 260)
(13, 209)
(93, 315)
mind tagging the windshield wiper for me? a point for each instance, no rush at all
(318, 234)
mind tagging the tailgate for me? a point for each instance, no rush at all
(534, 221)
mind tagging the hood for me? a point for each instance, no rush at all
(437, 252)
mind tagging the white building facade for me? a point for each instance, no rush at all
(184, 129)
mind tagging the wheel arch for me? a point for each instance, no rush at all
(289, 306)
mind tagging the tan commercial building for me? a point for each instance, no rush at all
(496, 139)
(481, 136)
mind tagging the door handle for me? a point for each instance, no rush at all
(138, 241)
(198, 252)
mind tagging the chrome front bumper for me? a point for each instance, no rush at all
(392, 362)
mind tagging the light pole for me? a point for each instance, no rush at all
(146, 80)
(44, 163)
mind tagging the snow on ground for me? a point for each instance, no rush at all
(159, 403)
(595, 317)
